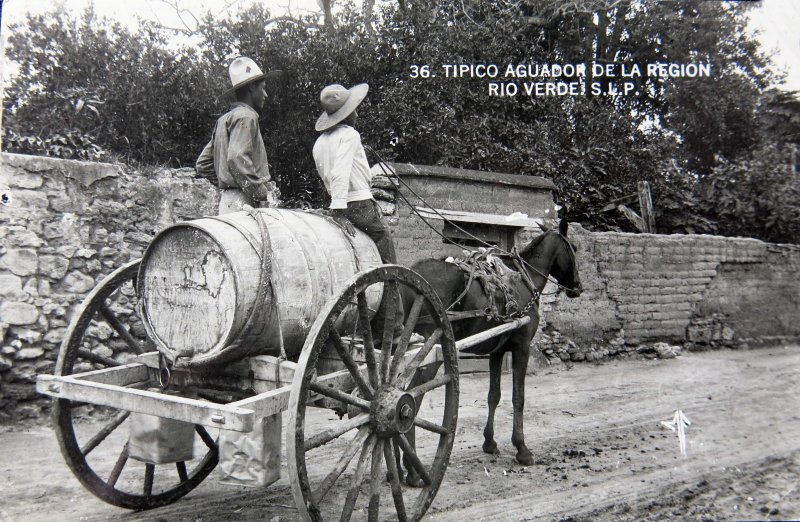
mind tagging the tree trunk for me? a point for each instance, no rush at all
(326, 7)
(368, 6)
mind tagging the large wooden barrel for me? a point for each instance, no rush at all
(222, 288)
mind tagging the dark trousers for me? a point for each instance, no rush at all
(365, 215)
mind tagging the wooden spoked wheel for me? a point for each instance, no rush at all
(383, 397)
(98, 338)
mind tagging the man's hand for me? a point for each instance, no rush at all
(343, 222)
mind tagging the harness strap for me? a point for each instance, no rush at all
(455, 316)
(468, 314)
(525, 277)
(501, 341)
(466, 288)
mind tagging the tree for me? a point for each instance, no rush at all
(125, 92)
(758, 193)
(757, 196)
(141, 101)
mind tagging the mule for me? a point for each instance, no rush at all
(549, 254)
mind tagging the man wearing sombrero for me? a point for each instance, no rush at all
(342, 165)
(236, 153)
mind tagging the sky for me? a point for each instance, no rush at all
(777, 20)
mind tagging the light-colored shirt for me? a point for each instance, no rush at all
(342, 165)
(237, 155)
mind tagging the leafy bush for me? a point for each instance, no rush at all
(73, 144)
(758, 196)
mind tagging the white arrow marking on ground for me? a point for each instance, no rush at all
(679, 423)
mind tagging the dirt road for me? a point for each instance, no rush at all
(601, 451)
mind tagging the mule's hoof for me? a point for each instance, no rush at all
(490, 447)
(525, 458)
(414, 481)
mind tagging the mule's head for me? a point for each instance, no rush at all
(563, 266)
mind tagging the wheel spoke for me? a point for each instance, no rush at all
(100, 308)
(390, 291)
(365, 452)
(358, 478)
(375, 482)
(425, 387)
(149, 472)
(105, 432)
(335, 393)
(430, 426)
(320, 439)
(366, 335)
(117, 471)
(117, 325)
(408, 329)
(99, 359)
(351, 365)
(394, 479)
(212, 445)
(356, 444)
(182, 474)
(412, 457)
(413, 364)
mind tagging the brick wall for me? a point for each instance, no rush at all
(460, 190)
(690, 290)
(71, 223)
(641, 290)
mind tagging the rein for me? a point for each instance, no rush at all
(392, 174)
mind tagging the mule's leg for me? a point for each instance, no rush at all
(495, 371)
(519, 366)
(397, 460)
(412, 478)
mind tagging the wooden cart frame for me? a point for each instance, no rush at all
(379, 390)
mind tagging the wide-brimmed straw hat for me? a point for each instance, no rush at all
(339, 103)
(244, 70)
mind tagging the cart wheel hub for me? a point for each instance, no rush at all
(392, 412)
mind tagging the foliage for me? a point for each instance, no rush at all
(73, 144)
(143, 101)
(779, 117)
(138, 99)
(758, 196)
(758, 193)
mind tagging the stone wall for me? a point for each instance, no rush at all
(69, 224)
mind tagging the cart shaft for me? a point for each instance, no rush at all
(478, 338)
(114, 387)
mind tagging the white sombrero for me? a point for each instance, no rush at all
(339, 103)
(244, 70)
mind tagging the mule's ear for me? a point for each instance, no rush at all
(544, 226)
(562, 227)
